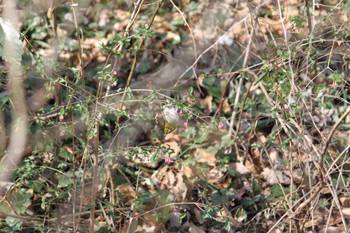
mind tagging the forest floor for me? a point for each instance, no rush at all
(181, 116)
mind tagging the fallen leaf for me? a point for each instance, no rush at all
(159, 177)
(171, 178)
(127, 192)
(180, 189)
(226, 107)
(330, 229)
(215, 176)
(207, 102)
(174, 146)
(203, 156)
(346, 211)
(345, 201)
(314, 222)
(275, 176)
(187, 171)
(195, 229)
(240, 168)
(198, 215)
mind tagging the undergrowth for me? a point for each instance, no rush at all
(260, 97)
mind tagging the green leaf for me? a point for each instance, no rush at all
(36, 185)
(190, 132)
(64, 180)
(14, 223)
(21, 200)
(241, 214)
(4, 100)
(182, 216)
(203, 136)
(256, 187)
(336, 77)
(214, 149)
(43, 203)
(276, 191)
(5, 207)
(220, 71)
(208, 81)
(299, 22)
(226, 141)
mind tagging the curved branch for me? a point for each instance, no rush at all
(18, 135)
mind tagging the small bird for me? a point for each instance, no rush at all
(172, 119)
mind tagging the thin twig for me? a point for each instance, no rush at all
(240, 82)
(329, 138)
(336, 200)
(309, 19)
(303, 204)
(80, 49)
(218, 40)
(292, 78)
(94, 142)
(131, 73)
(170, 204)
(189, 28)
(118, 48)
(95, 127)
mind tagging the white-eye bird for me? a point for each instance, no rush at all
(171, 117)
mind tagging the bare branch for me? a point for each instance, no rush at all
(18, 135)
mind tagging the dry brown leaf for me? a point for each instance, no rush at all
(198, 215)
(256, 165)
(331, 229)
(347, 119)
(166, 179)
(100, 222)
(251, 167)
(297, 175)
(335, 218)
(314, 222)
(127, 192)
(215, 176)
(346, 211)
(226, 107)
(171, 178)
(195, 229)
(203, 156)
(159, 175)
(240, 168)
(173, 136)
(172, 36)
(187, 171)
(275, 176)
(207, 102)
(175, 147)
(274, 155)
(180, 189)
(345, 201)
